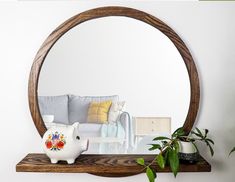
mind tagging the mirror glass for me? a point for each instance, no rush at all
(123, 80)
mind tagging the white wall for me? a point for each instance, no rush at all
(206, 27)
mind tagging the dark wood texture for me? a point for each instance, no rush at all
(121, 164)
(108, 165)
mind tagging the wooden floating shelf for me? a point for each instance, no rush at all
(102, 165)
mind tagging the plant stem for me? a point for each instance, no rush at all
(161, 152)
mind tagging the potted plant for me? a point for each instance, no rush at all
(179, 147)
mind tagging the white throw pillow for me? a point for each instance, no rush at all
(115, 110)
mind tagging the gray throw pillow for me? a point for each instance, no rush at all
(78, 106)
(55, 105)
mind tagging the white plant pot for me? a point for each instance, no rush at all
(187, 152)
(187, 147)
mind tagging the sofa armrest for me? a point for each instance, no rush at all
(124, 119)
(125, 122)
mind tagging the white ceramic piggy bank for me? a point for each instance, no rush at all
(62, 143)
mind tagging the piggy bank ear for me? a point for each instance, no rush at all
(76, 125)
(71, 130)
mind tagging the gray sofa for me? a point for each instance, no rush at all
(68, 109)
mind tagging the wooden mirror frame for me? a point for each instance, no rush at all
(104, 12)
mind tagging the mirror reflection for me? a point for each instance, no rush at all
(123, 80)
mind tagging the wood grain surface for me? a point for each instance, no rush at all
(102, 165)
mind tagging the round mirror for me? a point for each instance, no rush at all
(139, 73)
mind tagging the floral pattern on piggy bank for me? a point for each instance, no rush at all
(62, 143)
(55, 141)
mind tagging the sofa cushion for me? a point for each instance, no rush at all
(115, 111)
(78, 106)
(98, 112)
(55, 105)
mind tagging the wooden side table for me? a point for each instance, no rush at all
(151, 126)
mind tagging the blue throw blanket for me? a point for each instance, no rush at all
(118, 130)
(113, 130)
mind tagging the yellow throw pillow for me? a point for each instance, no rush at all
(98, 112)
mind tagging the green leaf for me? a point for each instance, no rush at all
(160, 161)
(161, 138)
(151, 174)
(140, 161)
(232, 150)
(166, 156)
(206, 132)
(164, 142)
(154, 147)
(174, 161)
(178, 129)
(190, 140)
(176, 146)
(196, 134)
(178, 132)
(209, 140)
(211, 149)
(199, 132)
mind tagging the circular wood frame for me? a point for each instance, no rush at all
(104, 12)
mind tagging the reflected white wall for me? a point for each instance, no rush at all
(120, 56)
